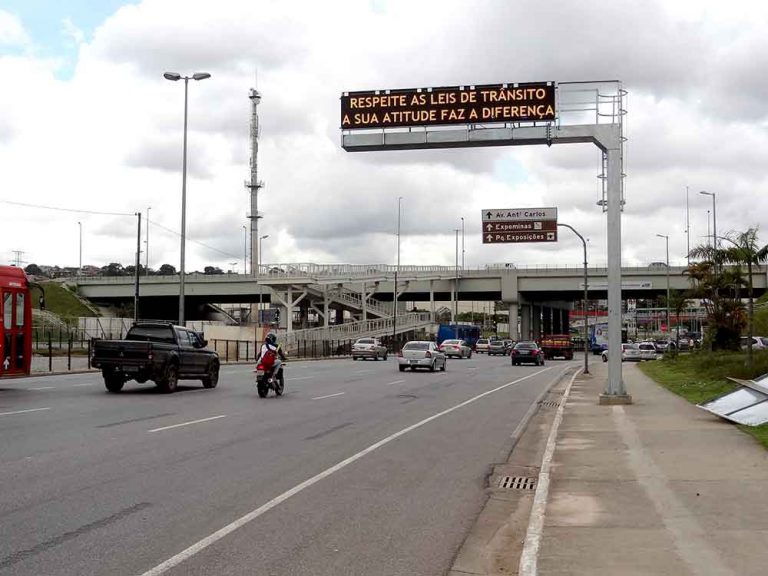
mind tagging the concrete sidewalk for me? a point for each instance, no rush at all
(656, 487)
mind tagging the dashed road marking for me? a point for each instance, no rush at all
(395, 382)
(24, 411)
(188, 423)
(329, 396)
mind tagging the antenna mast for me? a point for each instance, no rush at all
(254, 184)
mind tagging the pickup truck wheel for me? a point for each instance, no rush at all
(171, 380)
(212, 377)
(114, 382)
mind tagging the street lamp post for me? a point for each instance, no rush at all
(258, 264)
(173, 76)
(666, 238)
(245, 249)
(146, 255)
(456, 287)
(586, 298)
(397, 271)
(714, 217)
(80, 260)
(462, 242)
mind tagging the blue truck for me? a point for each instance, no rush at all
(467, 332)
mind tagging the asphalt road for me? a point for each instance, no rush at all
(357, 469)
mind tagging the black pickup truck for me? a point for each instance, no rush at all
(157, 351)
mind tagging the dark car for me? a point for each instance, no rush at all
(157, 351)
(527, 352)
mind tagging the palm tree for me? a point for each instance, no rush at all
(678, 301)
(714, 284)
(744, 250)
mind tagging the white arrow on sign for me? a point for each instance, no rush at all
(489, 227)
(6, 363)
(489, 237)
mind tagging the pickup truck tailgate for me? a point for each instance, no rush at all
(120, 352)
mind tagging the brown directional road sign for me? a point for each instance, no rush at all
(520, 226)
(524, 236)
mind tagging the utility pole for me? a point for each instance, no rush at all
(397, 271)
(254, 185)
(586, 297)
(687, 228)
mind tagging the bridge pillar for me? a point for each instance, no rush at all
(546, 320)
(557, 320)
(432, 297)
(513, 333)
(339, 315)
(525, 323)
(535, 321)
(364, 294)
(326, 308)
(566, 321)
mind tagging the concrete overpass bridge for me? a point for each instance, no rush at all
(540, 296)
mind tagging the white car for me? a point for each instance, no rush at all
(420, 354)
(629, 353)
(758, 342)
(482, 346)
(457, 348)
(368, 348)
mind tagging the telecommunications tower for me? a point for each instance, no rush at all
(254, 184)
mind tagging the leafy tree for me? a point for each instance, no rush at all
(678, 301)
(167, 270)
(212, 270)
(743, 250)
(34, 270)
(113, 269)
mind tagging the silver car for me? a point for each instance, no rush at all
(368, 348)
(420, 354)
(457, 348)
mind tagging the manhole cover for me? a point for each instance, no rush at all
(549, 403)
(517, 483)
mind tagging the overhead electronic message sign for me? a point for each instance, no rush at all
(448, 105)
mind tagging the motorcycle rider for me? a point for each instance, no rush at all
(272, 356)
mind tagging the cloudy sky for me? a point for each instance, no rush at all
(87, 122)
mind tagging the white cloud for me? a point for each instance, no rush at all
(12, 32)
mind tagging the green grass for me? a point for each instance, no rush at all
(701, 376)
(61, 302)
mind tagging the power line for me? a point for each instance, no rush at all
(195, 241)
(60, 209)
(100, 213)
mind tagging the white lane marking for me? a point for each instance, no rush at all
(188, 423)
(44, 388)
(302, 378)
(329, 396)
(363, 371)
(83, 384)
(23, 411)
(530, 556)
(243, 520)
(395, 382)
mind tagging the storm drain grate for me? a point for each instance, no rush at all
(517, 483)
(549, 403)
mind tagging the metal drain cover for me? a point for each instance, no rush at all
(517, 483)
(549, 403)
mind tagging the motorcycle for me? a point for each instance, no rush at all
(269, 380)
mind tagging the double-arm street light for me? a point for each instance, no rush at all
(173, 76)
(666, 238)
(714, 217)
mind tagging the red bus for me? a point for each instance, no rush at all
(15, 322)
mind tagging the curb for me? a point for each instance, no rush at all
(530, 554)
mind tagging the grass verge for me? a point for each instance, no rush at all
(701, 376)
